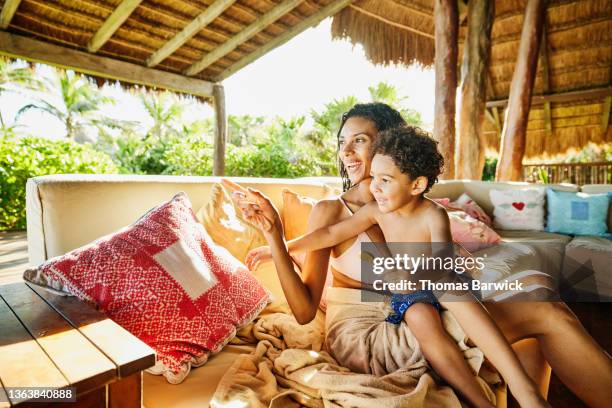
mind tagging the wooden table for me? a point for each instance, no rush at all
(47, 340)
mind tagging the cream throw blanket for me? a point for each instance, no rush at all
(377, 364)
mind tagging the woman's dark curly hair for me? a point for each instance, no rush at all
(413, 150)
(382, 115)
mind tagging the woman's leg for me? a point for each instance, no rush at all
(579, 362)
(442, 352)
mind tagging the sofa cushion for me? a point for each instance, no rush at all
(518, 209)
(480, 190)
(577, 213)
(534, 258)
(587, 266)
(225, 225)
(295, 213)
(198, 388)
(166, 282)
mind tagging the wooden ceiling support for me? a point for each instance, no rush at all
(7, 13)
(446, 25)
(252, 29)
(314, 19)
(17, 46)
(474, 73)
(595, 93)
(513, 142)
(112, 23)
(201, 21)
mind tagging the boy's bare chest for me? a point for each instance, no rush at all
(404, 229)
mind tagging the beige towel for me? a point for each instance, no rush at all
(289, 369)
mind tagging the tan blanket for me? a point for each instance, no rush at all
(289, 368)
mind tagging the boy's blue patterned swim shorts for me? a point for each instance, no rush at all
(401, 302)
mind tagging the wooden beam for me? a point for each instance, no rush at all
(446, 26)
(605, 114)
(112, 23)
(596, 93)
(7, 13)
(510, 162)
(476, 54)
(38, 51)
(220, 130)
(201, 21)
(329, 10)
(498, 125)
(252, 29)
(545, 70)
(489, 117)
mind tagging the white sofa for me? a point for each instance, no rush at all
(68, 211)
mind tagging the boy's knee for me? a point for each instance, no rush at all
(421, 316)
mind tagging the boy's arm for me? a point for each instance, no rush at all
(334, 234)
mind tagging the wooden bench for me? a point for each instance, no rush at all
(59, 342)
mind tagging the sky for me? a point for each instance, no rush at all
(305, 73)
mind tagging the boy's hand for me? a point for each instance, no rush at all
(256, 256)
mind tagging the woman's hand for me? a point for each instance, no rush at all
(256, 208)
(256, 256)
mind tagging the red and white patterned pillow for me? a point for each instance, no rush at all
(164, 280)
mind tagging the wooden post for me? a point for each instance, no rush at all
(446, 25)
(474, 71)
(519, 101)
(221, 130)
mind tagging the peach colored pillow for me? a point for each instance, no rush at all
(225, 225)
(295, 213)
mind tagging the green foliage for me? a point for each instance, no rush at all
(488, 173)
(386, 93)
(79, 104)
(22, 158)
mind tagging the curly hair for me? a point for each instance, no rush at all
(413, 150)
(382, 115)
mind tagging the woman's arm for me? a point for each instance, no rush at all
(303, 296)
(305, 302)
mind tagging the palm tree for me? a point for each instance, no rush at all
(79, 101)
(13, 73)
(387, 93)
(13, 77)
(166, 110)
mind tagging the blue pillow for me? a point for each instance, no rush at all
(577, 213)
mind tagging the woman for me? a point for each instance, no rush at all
(573, 355)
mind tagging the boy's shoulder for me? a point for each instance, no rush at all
(436, 212)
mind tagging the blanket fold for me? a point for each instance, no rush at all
(362, 362)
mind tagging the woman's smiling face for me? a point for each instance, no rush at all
(355, 142)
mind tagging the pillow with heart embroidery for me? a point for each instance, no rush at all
(520, 209)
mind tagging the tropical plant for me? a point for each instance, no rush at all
(25, 157)
(78, 102)
(386, 93)
(15, 76)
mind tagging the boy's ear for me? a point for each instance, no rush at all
(419, 185)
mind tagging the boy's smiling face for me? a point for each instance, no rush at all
(391, 188)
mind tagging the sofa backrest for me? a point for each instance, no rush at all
(65, 212)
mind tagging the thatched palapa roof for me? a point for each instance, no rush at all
(205, 40)
(578, 57)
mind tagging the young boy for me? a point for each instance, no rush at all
(405, 165)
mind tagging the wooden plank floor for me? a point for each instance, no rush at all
(13, 256)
